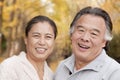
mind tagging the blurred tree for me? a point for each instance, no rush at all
(11, 21)
(114, 47)
(113, 8)
(16, 13)
(1, 8)
(61, 17)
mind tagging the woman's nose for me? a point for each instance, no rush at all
(42, 41)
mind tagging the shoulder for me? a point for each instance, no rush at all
(13, 62)
(110, 65)
(9, 61)
(63, 62)
(113, 73)
(63, 68)
(7, 68)
(47, 68)
(113, 65)
(67, 60)
(112, 70)
(48, 75)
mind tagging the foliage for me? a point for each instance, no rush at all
(113, 8)
(16, 13)
(114, 47)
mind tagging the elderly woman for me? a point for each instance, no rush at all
(40, 38)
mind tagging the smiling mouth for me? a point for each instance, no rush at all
(41, 50)
(83, 46)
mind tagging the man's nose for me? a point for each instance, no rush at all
(85, 36)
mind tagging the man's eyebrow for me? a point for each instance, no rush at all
(80, 26)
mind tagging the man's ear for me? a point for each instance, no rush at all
(104, 42)
(106, 46)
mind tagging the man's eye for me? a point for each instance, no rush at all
(81, 30)
(94, 34)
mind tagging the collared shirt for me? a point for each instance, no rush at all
(19, 68)
(101, 68)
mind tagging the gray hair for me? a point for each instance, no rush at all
(97, 12)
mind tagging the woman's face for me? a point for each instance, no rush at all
(40, 41)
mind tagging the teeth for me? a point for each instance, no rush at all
(40, 49)
(83, 46)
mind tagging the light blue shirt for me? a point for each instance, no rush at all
(102, 68)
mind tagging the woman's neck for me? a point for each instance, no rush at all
(40, 69)
(38, 65)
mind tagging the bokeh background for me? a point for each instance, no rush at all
(14, 14)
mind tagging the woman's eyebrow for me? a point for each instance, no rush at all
(79, 26)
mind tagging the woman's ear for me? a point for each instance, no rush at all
(25, 40)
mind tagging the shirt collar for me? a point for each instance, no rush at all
(48, 74)
(95, 65)
(69, 63)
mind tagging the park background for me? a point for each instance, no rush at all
(14, 14)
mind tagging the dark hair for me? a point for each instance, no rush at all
(97, 12)
(40, 18)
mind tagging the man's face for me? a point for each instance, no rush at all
(40, 41)
(88, 37)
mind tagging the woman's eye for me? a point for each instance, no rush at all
(36, 36)
(48, 37)
(81, 30)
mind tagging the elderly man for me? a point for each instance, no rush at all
(90, 31)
